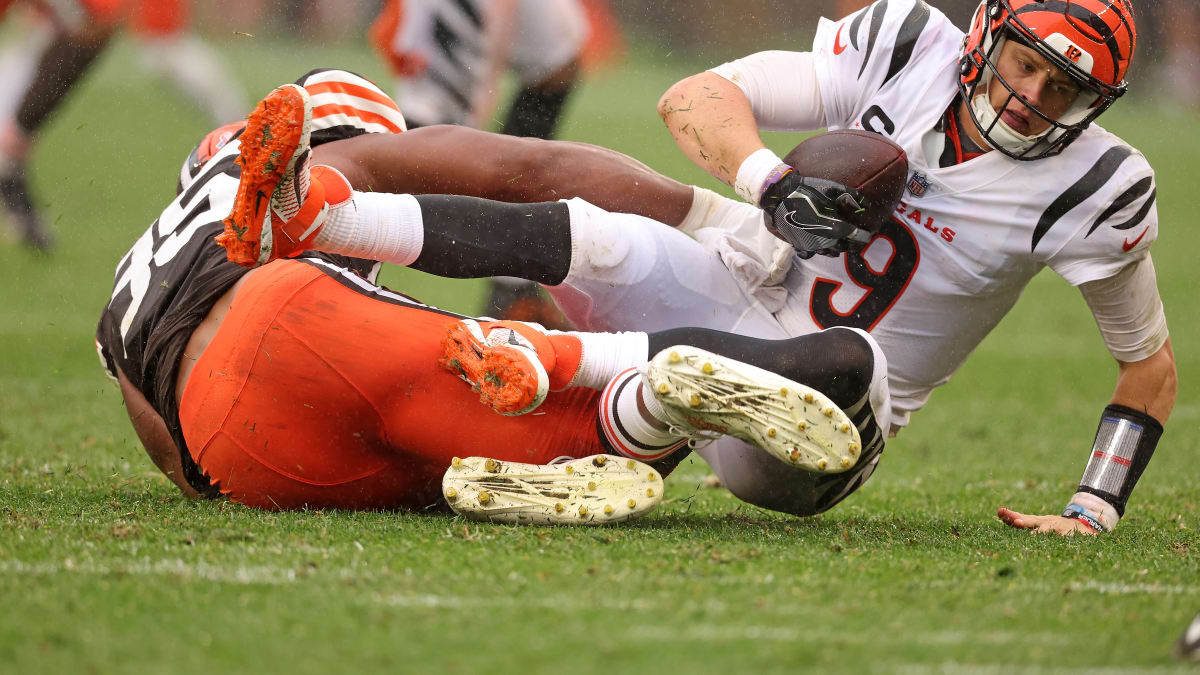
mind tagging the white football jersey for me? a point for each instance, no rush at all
(966, 239)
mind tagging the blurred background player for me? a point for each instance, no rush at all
(75, 34)
(449, 59)
(61, 42)
(172, 52)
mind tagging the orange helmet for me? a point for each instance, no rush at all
(210, 145)
(1092, 41)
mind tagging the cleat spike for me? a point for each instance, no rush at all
(707, 368)
(664, 388)
(771, 432)
(828, 412)
(581, 492)
(456, 462)
(846, 462)
(783, 391)
(801, 425)
(854, 448)
(675, 357)
(694, 400)
(845, 428)
(808, 398)
(821, 464)
(491, 466)
(795, 454)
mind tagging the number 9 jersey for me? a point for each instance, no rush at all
(967, 238)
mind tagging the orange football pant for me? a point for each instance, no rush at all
(318, 392)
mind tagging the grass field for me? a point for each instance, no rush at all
(104, 568)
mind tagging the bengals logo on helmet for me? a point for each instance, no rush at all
(1095, 42)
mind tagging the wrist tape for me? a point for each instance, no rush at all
(1125, 441)
(758, 171)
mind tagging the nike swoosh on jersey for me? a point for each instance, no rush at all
(838, 47)
(1128, 245)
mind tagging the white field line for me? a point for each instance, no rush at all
(274, 575)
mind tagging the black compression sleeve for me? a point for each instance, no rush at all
(468, 238)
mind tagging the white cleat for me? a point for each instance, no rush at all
(703, 392)
(594, 490)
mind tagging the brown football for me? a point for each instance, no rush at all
(866, 161)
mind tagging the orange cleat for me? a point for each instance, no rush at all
(278, 208)
(503, 366)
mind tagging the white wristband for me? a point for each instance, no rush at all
(1097, 508)
(754, 173)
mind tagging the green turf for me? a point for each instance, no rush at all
(103, 568)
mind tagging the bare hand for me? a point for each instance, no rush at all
(1056, 524)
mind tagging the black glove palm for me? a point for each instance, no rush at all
(814, 215)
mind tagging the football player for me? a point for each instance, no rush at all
(81, 29)
(302, 383)
(448, 58)
(1009, 175)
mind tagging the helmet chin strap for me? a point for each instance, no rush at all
(1001, 134)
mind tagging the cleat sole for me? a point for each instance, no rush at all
(278, 127)
(580, 492)
(508, 379)
(794, 423)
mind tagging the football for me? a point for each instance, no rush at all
(865, 161)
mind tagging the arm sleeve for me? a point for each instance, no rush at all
(1129, 311)
(782, 89)
(1120, 227)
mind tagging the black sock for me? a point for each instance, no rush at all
(535, 112)
(468, 238)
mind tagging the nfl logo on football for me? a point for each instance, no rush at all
(918, 184)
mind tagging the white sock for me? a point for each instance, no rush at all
(604, 355)
(628, 424)
(375, 226)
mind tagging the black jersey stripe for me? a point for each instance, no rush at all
(858, 19)
(1137, 191)
(1088, 17)
(906, 38)
(468, 8)
(1085, 187)
(452, 89)
(877, 12)
(1140, 215)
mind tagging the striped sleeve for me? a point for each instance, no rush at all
(1116, 221)
(347, 105)
(864, 53)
